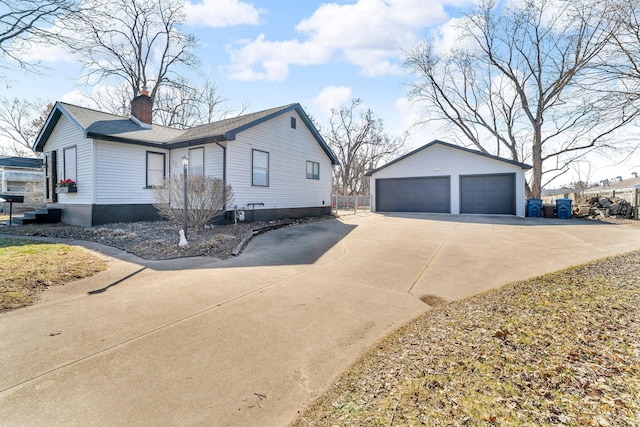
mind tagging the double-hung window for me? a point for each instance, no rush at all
(313, 170)
(196, 161)
(155, 168)
(260, 167)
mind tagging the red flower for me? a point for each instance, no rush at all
(66, 183)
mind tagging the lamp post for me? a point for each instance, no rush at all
(185, 164)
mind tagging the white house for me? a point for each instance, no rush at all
(275, 160)
(444, 178)
(22, 176)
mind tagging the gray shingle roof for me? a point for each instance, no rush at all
(224, 128)
(97, 124)
(21, 162)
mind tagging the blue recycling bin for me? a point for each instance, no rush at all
(563, 208)
(534, 208)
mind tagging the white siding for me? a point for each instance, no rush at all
(67, 134)
(212, 160)
(439, 160)
(289, 149)
(121, 173)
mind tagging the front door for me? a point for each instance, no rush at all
(51, 176)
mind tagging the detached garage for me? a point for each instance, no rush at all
(444, 178)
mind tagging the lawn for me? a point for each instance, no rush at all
(28, 267)
(563, 349)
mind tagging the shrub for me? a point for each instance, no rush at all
(207, 197)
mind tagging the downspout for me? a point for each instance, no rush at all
(224, 172)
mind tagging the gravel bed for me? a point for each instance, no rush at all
(152, 240)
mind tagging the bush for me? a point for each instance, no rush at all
(207, 198)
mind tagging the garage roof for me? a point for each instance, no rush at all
(457, 147)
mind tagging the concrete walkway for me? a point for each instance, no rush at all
(252, 340)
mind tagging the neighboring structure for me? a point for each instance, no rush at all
(275, 160)
(444, 178)
(22, 176)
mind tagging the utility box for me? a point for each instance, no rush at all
(548, 211)
(534, 208)
(563, 208)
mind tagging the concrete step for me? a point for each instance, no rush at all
(20, 220)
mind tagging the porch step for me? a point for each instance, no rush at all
(40, 215)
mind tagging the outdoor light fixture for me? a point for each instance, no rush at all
(185, 164)
(436, 169)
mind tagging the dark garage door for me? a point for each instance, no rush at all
(424, 194)
(488, 194)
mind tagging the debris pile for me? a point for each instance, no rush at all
(605, 207)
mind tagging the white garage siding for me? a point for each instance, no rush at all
(439, 159)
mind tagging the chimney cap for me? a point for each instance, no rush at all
(144, 91)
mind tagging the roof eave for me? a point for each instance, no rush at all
(447, 144)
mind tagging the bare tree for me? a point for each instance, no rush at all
(20, 122)
(622, 61)
(359, 140)
(208, 198)
(26, 21)
(134, 41)
(523, 79)
(185, 105)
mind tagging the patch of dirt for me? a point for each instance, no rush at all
(433, 300)
(156, 239)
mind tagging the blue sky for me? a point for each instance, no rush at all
(269, 53)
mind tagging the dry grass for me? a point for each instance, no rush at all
(28, 267)
(559, 349)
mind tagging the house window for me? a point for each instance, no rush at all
(155, 168)
(293, 122)
(313, 170)
(196, 161)
(260, 166)
(70, 163)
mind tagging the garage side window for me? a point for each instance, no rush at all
(260, 166)
(70, 163)
(313, 170)
(155, 168)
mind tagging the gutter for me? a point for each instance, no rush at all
(224, 171)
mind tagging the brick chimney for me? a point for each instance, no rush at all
(141, 107)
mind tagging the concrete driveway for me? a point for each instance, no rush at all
(252, 340)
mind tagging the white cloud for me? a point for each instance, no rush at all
(370, 34)
(221, 13)
(331, 97)
(274, 58)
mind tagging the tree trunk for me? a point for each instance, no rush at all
(536, 151)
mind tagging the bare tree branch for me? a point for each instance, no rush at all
(361, 144)
(528, 78)
(20, 122)
(28, 21)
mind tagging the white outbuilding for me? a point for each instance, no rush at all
(440, 177)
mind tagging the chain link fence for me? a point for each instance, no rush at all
(350, 205)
